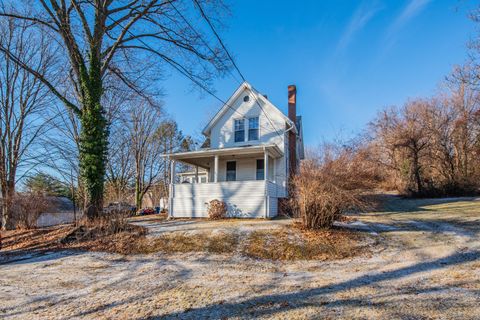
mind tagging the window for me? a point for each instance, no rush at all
(253, 129)
(260, 169)
(239, 130)
(203, 179)
(231, 171)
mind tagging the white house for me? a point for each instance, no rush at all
(254, 148)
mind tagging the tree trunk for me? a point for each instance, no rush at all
(138, 193)
(93, 144)
(416, 172)
(8, 194)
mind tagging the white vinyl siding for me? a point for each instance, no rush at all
(222, 135)
(243, 198)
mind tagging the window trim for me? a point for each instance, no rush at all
(256, 169)
(258, 129)
(226, 170)
(235, 130)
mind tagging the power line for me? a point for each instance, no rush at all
(219, 39)
(184, 72)
(203, 40)
(232, 60)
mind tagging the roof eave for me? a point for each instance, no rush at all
(218, 115)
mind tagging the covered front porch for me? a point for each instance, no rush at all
(243, 177)
(231, 164)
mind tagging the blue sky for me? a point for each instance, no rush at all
(348, 59)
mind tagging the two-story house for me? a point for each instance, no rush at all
(254, 148)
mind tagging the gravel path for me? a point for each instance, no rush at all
(427, 266)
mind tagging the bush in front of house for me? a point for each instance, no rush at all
(331, 182)
(217, 209)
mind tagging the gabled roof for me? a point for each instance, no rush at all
(229, 104)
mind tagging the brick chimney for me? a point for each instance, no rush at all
(292, 136)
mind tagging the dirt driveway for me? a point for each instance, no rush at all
(426, 266)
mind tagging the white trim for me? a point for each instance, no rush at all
(235, 130)
(244, 86)
(273, 149)
(226, 170)
(215, 170)
(265, 166)
(247, 133)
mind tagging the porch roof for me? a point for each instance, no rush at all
(196, 157)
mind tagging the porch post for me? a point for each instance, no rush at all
(265, 175)
(196, 174)
(172, 190)
(172, 172)
(265, 165)
(215, 170)
(274, 170)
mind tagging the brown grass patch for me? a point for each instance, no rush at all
(295, 244)
(290, 243)
(182, 243)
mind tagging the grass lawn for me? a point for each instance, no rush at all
(415, 259)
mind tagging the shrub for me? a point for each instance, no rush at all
(27, 208)
(330, 183)
(217, 209)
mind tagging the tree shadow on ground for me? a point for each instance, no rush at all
(268, 305)
(36, 256)
(61, 298)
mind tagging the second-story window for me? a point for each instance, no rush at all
(239, 130)
(253, 129)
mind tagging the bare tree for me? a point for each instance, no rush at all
(120, 39)
(402, 135)
(120, 168)
(23, 99)
(142, 124)
(170, 138)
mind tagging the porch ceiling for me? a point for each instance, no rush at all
(204, 158)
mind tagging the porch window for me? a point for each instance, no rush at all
(260, 169)
(239, 130)
(231, 170)
(253, 129)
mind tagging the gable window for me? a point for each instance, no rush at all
(260, 169)
(239, 130)
(253, 129)
(231, 170)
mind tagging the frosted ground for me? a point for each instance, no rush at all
(426, 265)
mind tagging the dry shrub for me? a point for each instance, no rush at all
(331, 182)
(27, 208)
(217, 209)
(112, 224)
